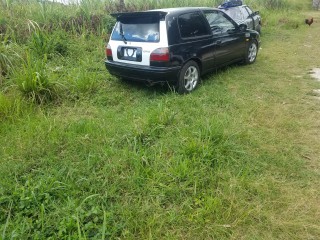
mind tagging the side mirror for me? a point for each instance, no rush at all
(243, 27)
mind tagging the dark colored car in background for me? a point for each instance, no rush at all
(177, 45)
(243, 14)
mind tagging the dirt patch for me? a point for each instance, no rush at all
(315, 73)
(316, 91)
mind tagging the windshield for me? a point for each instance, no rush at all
(235, 14)
(138, 29)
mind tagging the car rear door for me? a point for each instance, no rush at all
(195, 39)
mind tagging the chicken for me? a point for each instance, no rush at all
(309, 21)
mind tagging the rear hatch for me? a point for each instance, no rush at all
(136, 36)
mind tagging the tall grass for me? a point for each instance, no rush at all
(40, 42)
(9, 58)
(13, 107)
(5, 61)
(32, 79)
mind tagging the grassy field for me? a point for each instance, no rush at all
(84, 155)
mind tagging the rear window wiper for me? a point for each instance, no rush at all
(122, 34)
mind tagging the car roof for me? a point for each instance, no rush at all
(226, 8)
(181, 9)
(161, 12)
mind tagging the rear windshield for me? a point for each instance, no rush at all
(138, 29)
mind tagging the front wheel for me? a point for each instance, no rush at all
(189, 77)
(252, 52)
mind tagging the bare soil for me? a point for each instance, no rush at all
(315, 73)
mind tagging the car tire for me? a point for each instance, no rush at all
(189, 78)
(252, 52)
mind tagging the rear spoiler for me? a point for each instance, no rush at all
(123, 15)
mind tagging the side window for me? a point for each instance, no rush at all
(218, 22)
(192, 25)
(212, 18)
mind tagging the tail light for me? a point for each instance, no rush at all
(160, 55)
(109, 52)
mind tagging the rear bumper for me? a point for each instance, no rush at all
(143, 73)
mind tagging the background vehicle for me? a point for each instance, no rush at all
(177, 45)
(244, 14)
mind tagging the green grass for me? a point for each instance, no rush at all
(106, 159)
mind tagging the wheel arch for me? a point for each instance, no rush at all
(198, 61)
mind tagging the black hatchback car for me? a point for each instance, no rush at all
(177, 45)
